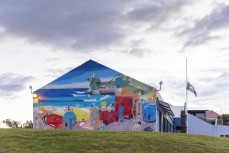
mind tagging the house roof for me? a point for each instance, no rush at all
(211, 114)
(198, 108)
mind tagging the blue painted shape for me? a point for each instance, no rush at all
(70, 119)
(82, 73)
(82, 101)
(95, 115)
(70, 124)
(149, 112)
(121, 113)
(121, 82)
(60, 92)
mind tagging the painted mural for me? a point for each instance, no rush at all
(95, 97)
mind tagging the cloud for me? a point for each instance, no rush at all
(156, 12)
(12, 83)
(137, 48)
(219, 84)
(199, 40)
(74, 24)
(138, 51)
(55, 73)
(223, 82)
(203, 29)
(81, 25)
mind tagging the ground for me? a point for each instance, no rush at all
(31, 140)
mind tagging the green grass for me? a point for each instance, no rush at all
(48, 141)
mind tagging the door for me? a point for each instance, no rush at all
(121, 113)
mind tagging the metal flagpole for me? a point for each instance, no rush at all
(186, 105)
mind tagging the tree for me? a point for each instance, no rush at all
(12, 123)
(225, 118)
(28, 124)
(16, 124)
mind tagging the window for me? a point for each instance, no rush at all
(226, 136)
(200, 115)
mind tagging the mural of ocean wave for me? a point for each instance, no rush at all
(96, 98)
(83, 101)
(62, 92)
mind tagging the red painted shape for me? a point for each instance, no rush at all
(108, 116)
(54, 120)
(127, 103)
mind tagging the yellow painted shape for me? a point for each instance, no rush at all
(42, 109)
(35, 100)
(58, 113)
(81, 114)
(103, 105)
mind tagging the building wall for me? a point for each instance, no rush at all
(164, 122)
(95, 97)
(198, 126)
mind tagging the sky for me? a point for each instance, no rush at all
(148, 40)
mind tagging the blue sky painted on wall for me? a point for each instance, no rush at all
(80, 75)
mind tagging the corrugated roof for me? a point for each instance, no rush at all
(166, 107)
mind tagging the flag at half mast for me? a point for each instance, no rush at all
(191, 89)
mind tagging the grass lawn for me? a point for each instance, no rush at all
(47, 141)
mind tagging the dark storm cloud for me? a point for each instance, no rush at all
(11, 83)
(80, 24)
(77, 24)
(201, 32)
